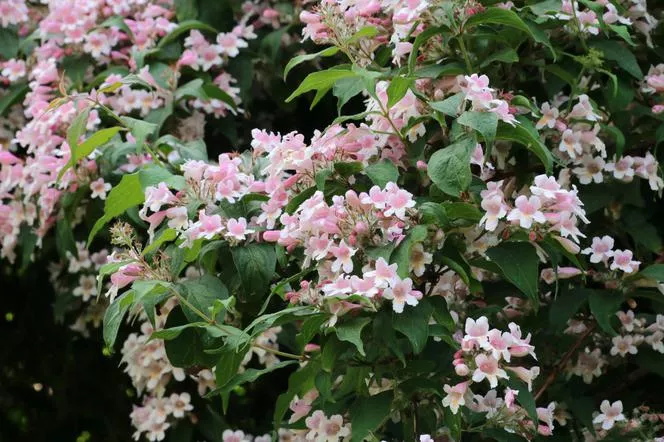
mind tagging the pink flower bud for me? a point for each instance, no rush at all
(271, 235)
(461, 369)
(421, 165)
(658, 109)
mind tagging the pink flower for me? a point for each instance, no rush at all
(526, 375)
(495, 210)
(622, 259)
(237, 229)
(155, 197)
(600, 249)
(626, 319)
(384, 274)
(476, 331)
(510, 397)
(527, 211)
(344, 257)
(398, 200)
(207, 226)
(497, 343)
(488, 368)
(455, 396)
(622, 345)
(402, 293)
(99, 189)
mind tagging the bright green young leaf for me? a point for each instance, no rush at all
(382, 172)
(397, 90)
(327, 52)
(320, 80)
(88, 146)
(449, 168)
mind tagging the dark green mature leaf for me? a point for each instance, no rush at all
(518, 262)
(327, 52)
(413, 322)
(201, 294)
(604, 304)
(486, 123)
(351, 331)
(12, 95)
(614, 51)
(369, 413)
(186, 10)
(255, 263)
(651, 361)
(449, 168)
(114, 315)
(566, 305)
(382, 173)
(654, 271)
(524, 397)
(320, 81)
(525, 134)
(8, 43)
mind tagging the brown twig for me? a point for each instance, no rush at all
(563, 362)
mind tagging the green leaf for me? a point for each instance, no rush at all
(346, 169)
(623, 32)
(651, 361)
(320, 80)
(654, 271)
(12, 95)
(382, 172)
(497, 16)
(229, 364)
(128, 193)
(140, 129)
(327, 52)
(114, 315)
(255, 263)
(449, 168)
(525, 134)
(249, 375)
(518, 262)
(201, 294)
(215, 92)
(84, 149)
(344, 90)
(351, 331)
(183, 27)
(8, 43)
(422, 38)
(507, 55)
(77, 128)
(401, 255)
(414, 324)
(524, 397)
(168, 334)
(64, 238)
(486, 123)
(118, 22)
(614, 51)
(365, 32)
(369, 413)
(450, 106)
(397, 90)
(604, 304)
(186, 10)
(566, 305)
(297, 200)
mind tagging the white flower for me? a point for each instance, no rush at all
(610, 414)
(99, 189)
(623, 345)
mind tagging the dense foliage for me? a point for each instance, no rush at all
(470, 247)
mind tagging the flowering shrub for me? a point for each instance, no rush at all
(474, 253)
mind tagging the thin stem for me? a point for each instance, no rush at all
(279, 353)
(464, 51)
(563, 362)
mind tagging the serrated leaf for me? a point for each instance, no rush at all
(518, 262)
(449, 168)
(327, 52)
(351, 331)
